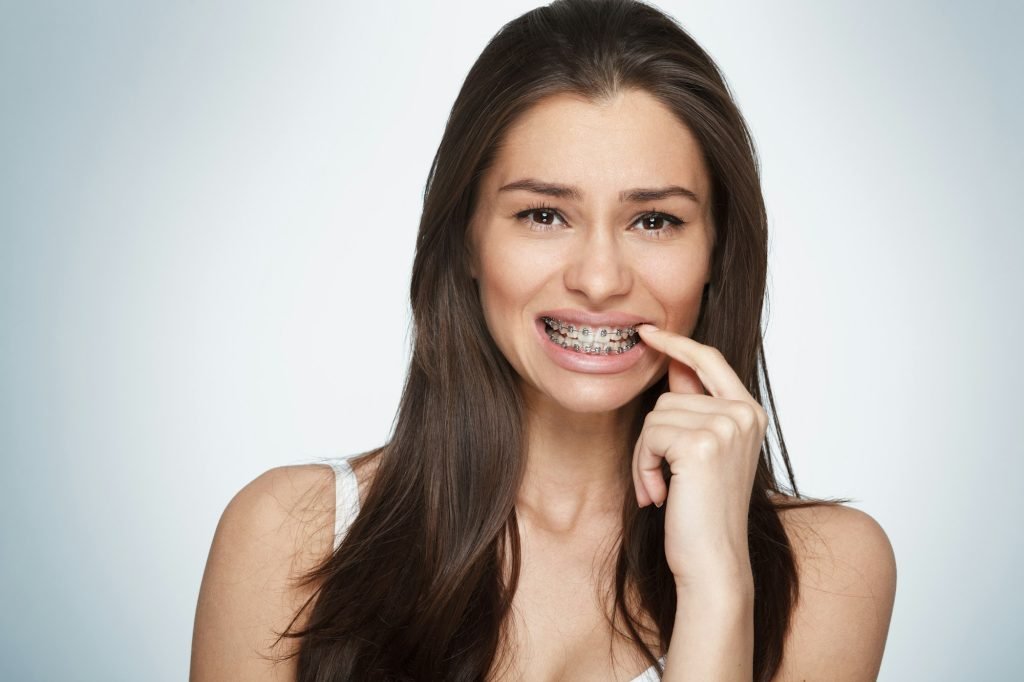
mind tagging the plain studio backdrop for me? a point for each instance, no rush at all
(208, 215)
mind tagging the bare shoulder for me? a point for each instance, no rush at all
(275, 529)
(847, 572)
(833, 538)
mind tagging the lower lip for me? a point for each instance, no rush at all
(586, 362)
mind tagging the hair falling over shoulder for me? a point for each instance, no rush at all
(421, 587)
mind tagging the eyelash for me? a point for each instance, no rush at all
(674, 224)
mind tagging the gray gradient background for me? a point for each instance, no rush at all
(204, 209)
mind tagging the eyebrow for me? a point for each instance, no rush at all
(635, 195)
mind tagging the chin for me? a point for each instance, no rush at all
(592, 399)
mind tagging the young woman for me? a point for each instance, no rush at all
(579, 485)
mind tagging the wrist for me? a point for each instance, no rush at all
(731, 587)
(738, 598)
(713, 635)
(715, 608)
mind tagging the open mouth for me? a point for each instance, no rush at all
(590, 340)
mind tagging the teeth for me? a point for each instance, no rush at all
(588, 333)
(591, 340)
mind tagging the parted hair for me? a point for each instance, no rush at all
(421, 586)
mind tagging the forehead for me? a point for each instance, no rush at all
(632, 140)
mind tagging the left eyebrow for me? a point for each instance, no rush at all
(637, 195)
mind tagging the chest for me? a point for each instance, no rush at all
(560, 627)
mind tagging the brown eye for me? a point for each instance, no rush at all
(540, 217)
(654, 221)
(545, 217)
(656, 225)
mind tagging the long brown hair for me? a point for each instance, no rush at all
(417, 589)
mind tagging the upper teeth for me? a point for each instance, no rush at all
(608, 339)
(589, 333)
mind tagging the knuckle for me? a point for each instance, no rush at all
(652, 418)
(762, 417)
(705, 445)
(746, 414)
(654, 430)
(724, 425)
(664, 401)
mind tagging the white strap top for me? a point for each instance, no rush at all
(346, 489)
(346, 498)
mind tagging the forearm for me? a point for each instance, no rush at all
(713, 636)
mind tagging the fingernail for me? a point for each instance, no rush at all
(658, 504)
(648, 324)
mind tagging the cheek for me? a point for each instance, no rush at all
(690, 312)
(678, 285)
(516, 266)
(508, 279)
(508, 282)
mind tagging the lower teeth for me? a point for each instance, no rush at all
(590, 350)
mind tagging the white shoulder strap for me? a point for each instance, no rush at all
(346, 498)
(651, 674)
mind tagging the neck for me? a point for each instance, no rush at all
(577, 464)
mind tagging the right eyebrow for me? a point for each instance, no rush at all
(550, 189)
(637, 195)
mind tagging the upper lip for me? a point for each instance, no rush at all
(583, 318)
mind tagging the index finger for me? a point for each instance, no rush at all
(707, 361)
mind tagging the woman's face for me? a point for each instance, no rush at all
(592, 219)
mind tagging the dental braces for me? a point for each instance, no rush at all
(570, 330)
(591, 350)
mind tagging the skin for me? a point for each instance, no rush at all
(596, 254)
(593, 255)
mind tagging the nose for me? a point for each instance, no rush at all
(597, 267)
